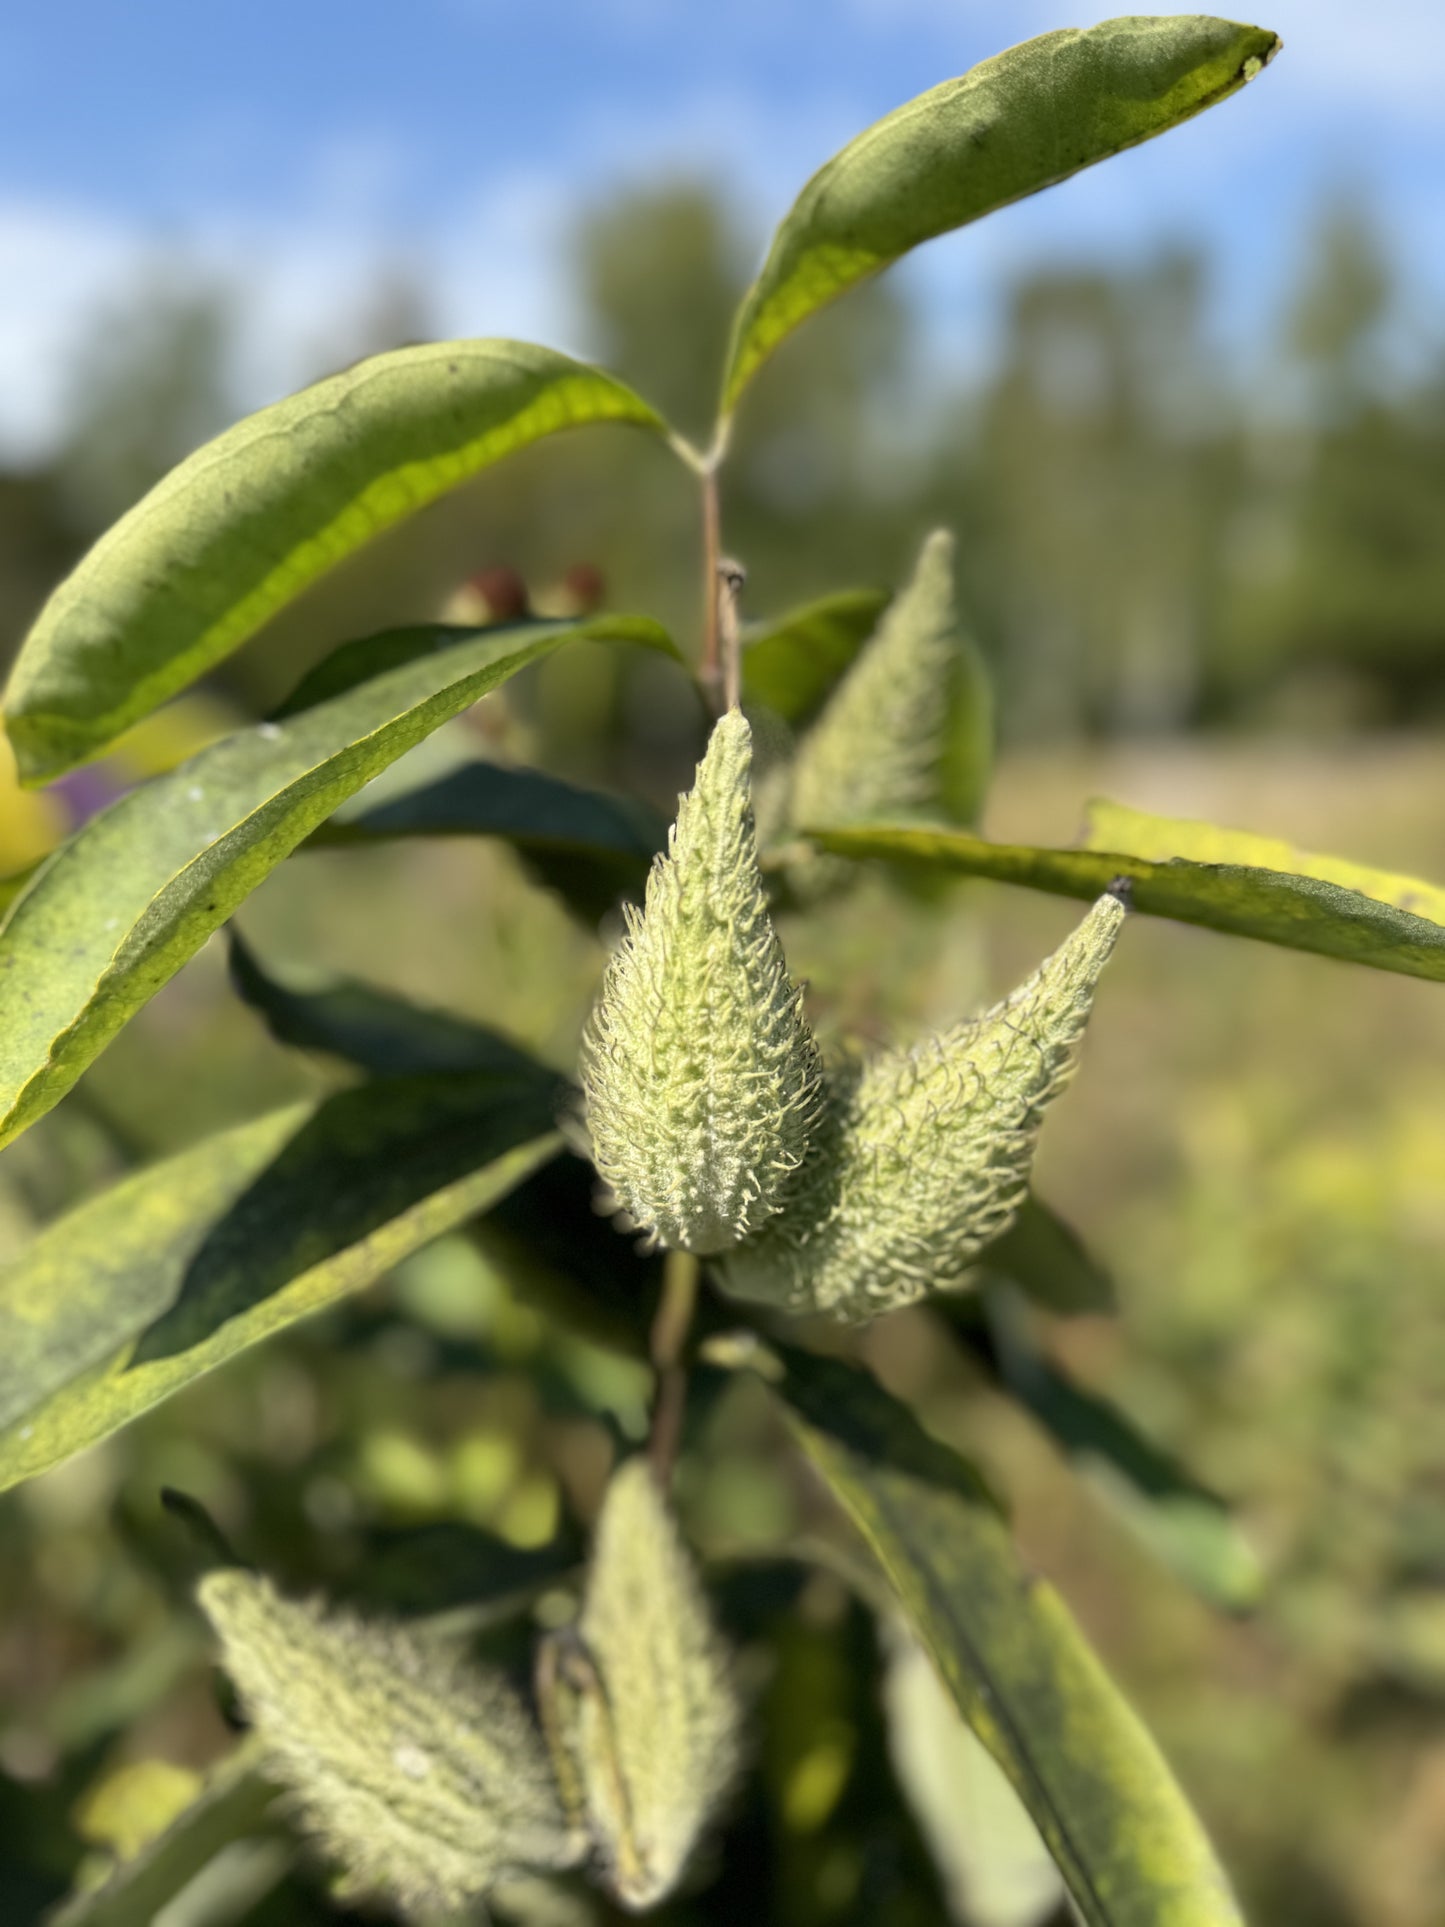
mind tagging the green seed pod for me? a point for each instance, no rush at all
(924, 1155)
(882, 745)
(639, 1700)
(701, 1075)
(424, 1776)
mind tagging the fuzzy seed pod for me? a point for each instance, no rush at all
(924, 1155)
(639, 1699)
(701, 1075)
(880, 746)
(423, 1775)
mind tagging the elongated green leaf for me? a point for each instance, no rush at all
(232, 1804)
(1050, 1263)
(790, 665)
(1017, 123)
(996, 1870)
(140, 1291)
(117, 910)
(1131, 1851)
(592, 848)
(1295, 911)
(1181, 1522)
(1162, 839)
(380, 1033)
(238, 530)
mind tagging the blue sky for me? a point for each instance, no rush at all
(293, 147)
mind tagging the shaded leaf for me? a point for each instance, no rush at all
(121, 906)
(1182, 1523)
(1130, 1850)
(442, 1568)
(350, 664)
(141, 1290)
(790, 665)
(550, 1242)
(371, 1028)
(1012, 125)
(592, 848)
(1048, 1260)
(1298, 912)
(246, 523)
(231, 1805)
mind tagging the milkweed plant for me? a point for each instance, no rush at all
(755, 1192)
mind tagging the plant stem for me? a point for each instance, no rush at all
(670, 1330)
(710, 669)
(730, 579)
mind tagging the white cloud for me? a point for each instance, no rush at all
(303, 284)
(57, 263)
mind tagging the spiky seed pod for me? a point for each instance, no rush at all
(879, 748)
(424, 1776)
(701, 1075)
(639, 1698)
(924, 1155)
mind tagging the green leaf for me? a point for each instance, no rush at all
(1182, 1523)
(119, 908)
(1017, 123)
(1297, 911)
(233, 1803)
(247, 522)
(11, 886)
(138, 1292)
(996, 1870)
(1161, 839)
(789, 666)
(592, 848)
(1131, 1851)
(1048, 1260)
(371, 1028)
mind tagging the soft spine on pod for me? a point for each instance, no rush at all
(879, 747)
(638, 1698)
(701, 1076)
(424, 1776)
(923, 1156)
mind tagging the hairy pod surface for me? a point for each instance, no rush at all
(424, 1776)
(923, 1157)
(701, 1076)
(877, 749)
(639, 1698)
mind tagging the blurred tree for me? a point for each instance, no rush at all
(1091, 499)
(36, 548)
(1345, 297)
(1343, 603)
(659, 271)
(149, 382)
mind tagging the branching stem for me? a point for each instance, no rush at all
(710, 670)
(670, 1330)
